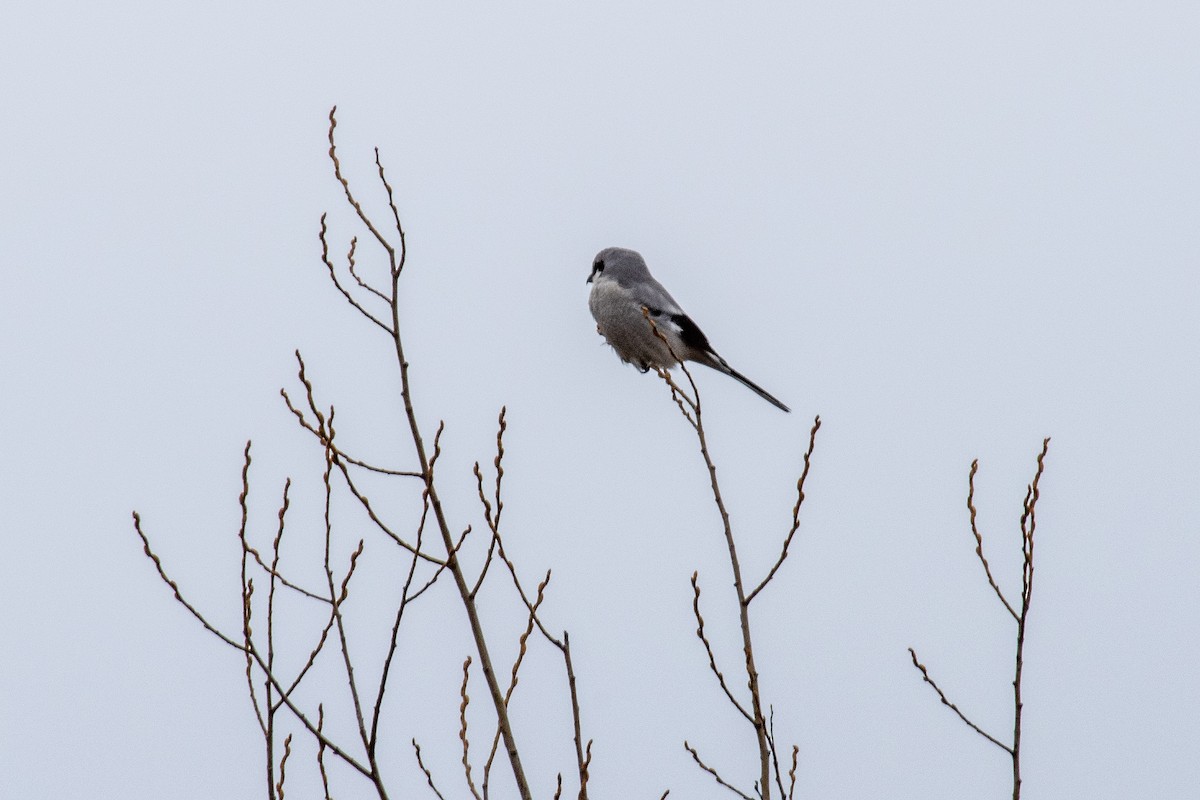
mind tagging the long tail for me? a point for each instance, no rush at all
(720, 365)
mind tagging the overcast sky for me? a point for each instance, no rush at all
(951, 229)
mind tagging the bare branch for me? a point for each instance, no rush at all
(712, 661)
(581, 761)
(716, 776)
(979, 539)
(775, 752)
(787, 542)
(337, 599)
(359, 307)
(362, 216)
(462, 731)
(757, 719)
(522, 648)
(287, 751)
(404, 600)
(1028, 526)
(425, 769)
(299, 714)
(321, 751)
(493, 522)
(354, 273)
(341, 454)
(946, 702)
(792, 771)
(398, 263)
(137, 526)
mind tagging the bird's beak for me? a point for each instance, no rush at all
(589, 280)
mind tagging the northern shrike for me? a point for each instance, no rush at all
(621, 287)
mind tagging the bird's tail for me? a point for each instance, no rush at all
(720, 365)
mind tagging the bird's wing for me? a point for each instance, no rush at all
(650, 293)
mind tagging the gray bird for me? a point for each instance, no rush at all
(621, 287)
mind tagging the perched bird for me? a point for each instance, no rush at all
(622, 287)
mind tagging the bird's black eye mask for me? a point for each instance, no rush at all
(597, 268)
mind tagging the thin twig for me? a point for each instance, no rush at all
(775, 752)
(341, 454)
(404, 600)
(162, 573)
(462, 731)
(979, 540)
(354, 272)
(395, 211)
(337, 171)
(287, 751)
(712, 661)
(522, 649)
(716, 776)
(946, 702)
(757, 718)
(1028, 526)
(493, 522)
(425, 769)
(322, 235)
(787, 542)
(321, 751)
(792, 771)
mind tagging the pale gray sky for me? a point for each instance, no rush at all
(948, 228)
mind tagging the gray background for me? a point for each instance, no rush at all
(949, 228)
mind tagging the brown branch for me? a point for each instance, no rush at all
(283, 580)
(312, 656)
(404, 600)
(325, 433)
(341, 454)
(354, 273)
(399, 264)
(462, 731)
(522, 649)
(162, 573)
(337, 598)
(437, 573)
(321, 752)
(946, 702)
(564, 646)
(1028, 526)
(584, 771)
(247, 592)
(287, 751)
(359, 307)
(757, 719)
(492, 522)
(979, 540)
(712, 661)
(247, 608)
(775, 753)
(396, 263)
(580, 761)
(787, 542)
(362, 216)
(716, 775)
(425, 769)
(792, 771)
(303, 719)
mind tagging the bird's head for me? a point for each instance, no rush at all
(618, 262)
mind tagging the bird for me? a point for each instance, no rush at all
(624, 294)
